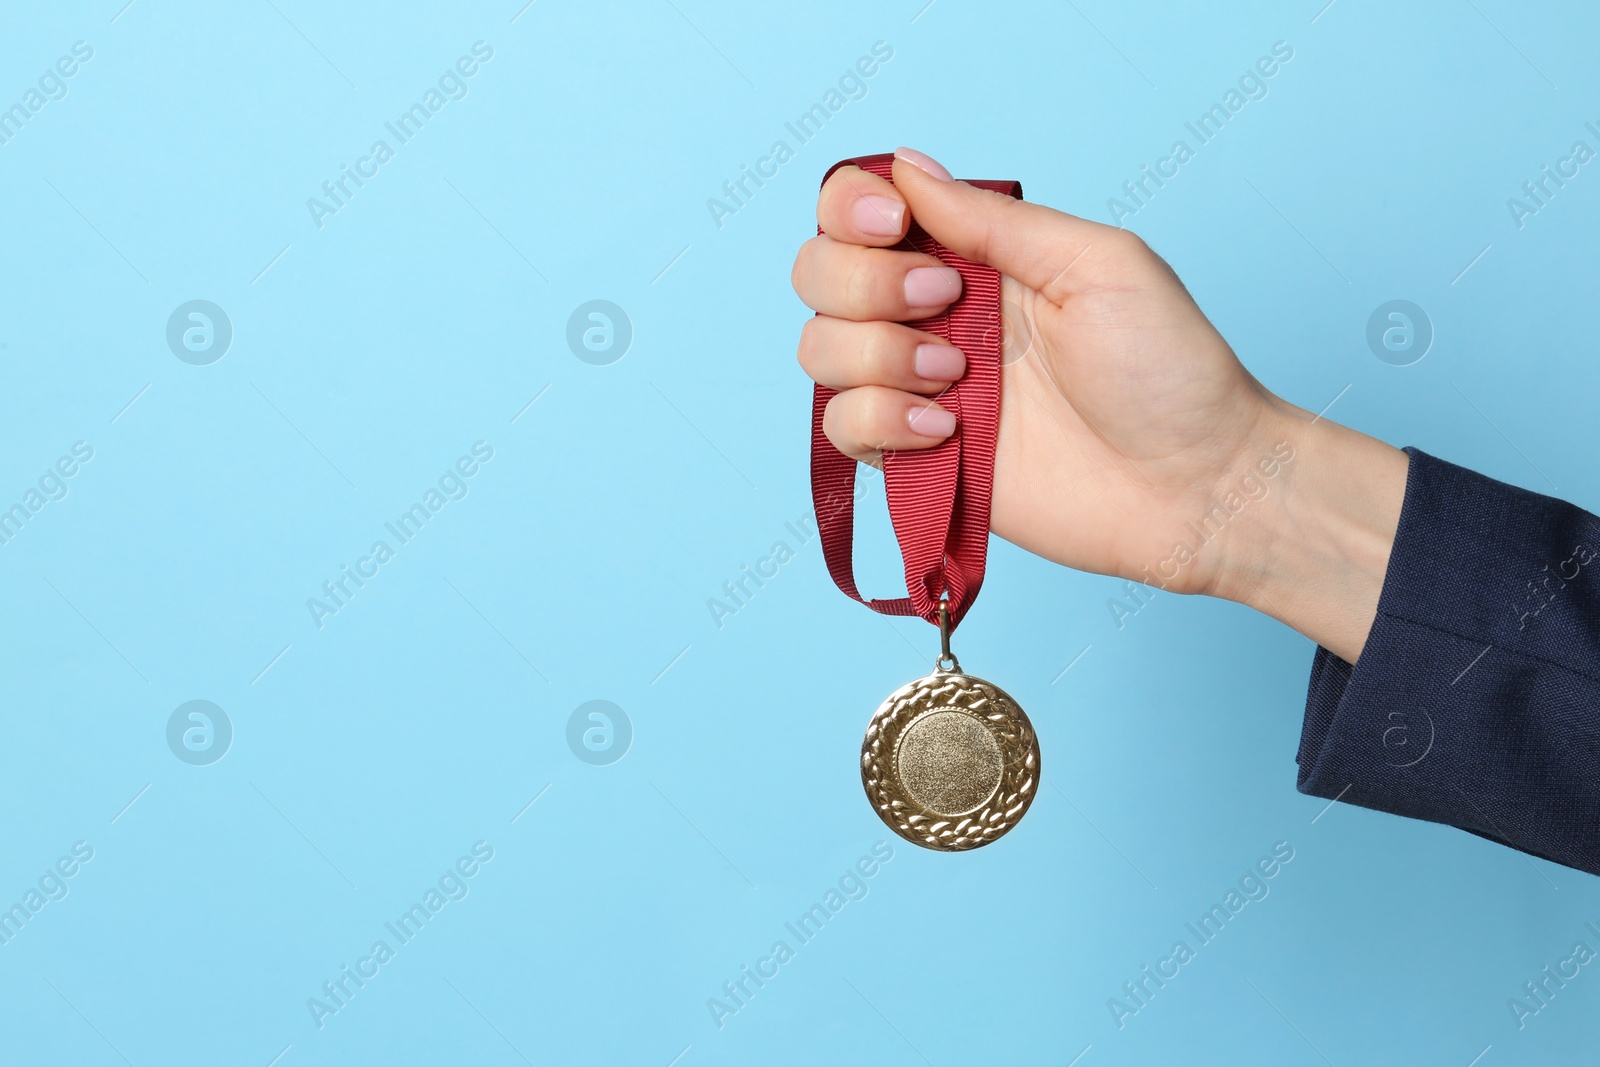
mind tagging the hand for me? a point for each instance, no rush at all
(1125, 417)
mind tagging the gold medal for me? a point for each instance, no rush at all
(950, 761)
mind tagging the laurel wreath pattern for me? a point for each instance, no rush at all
(1007, 723)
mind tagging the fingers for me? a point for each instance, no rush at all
(1036, 245)
(861, 208)
(843, 355)
(864, 421)
(851, 282)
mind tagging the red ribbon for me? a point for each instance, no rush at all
(939, 496)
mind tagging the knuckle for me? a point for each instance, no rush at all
(860, 284)
(1138, 260)
(998, 217)
(848, 420)
(1129, 246)
(880, 354)
(837, 421)
(873, 417)
(803, 263)
(808, 348)
(837, 180)
(836, 187)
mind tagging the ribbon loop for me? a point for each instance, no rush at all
(939, 496)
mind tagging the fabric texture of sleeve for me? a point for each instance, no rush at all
(1476, 700)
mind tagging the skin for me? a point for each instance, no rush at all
(1125, 416)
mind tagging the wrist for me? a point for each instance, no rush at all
(1315, 555)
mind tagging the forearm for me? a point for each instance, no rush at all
(1315, 553)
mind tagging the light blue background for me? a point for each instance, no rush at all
(370, 353)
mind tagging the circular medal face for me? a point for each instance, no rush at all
(950, 762)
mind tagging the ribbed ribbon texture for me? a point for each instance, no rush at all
(939, 496)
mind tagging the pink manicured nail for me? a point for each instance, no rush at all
(923, 163)
(928, 287)
(879, 216)
(941, 363)
(931, 421)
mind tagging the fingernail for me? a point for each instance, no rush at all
(931, 421)
(941, 363)
(932, 286)
(879, 216)
(923, 163)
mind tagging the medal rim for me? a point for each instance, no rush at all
(1012, 756)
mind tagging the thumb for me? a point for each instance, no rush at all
(1032, 243)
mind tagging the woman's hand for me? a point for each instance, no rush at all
(1126, 420)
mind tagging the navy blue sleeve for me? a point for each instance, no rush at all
(1476, 700)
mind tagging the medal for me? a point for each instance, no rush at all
(950, 761)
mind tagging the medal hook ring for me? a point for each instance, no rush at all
(947, 660)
